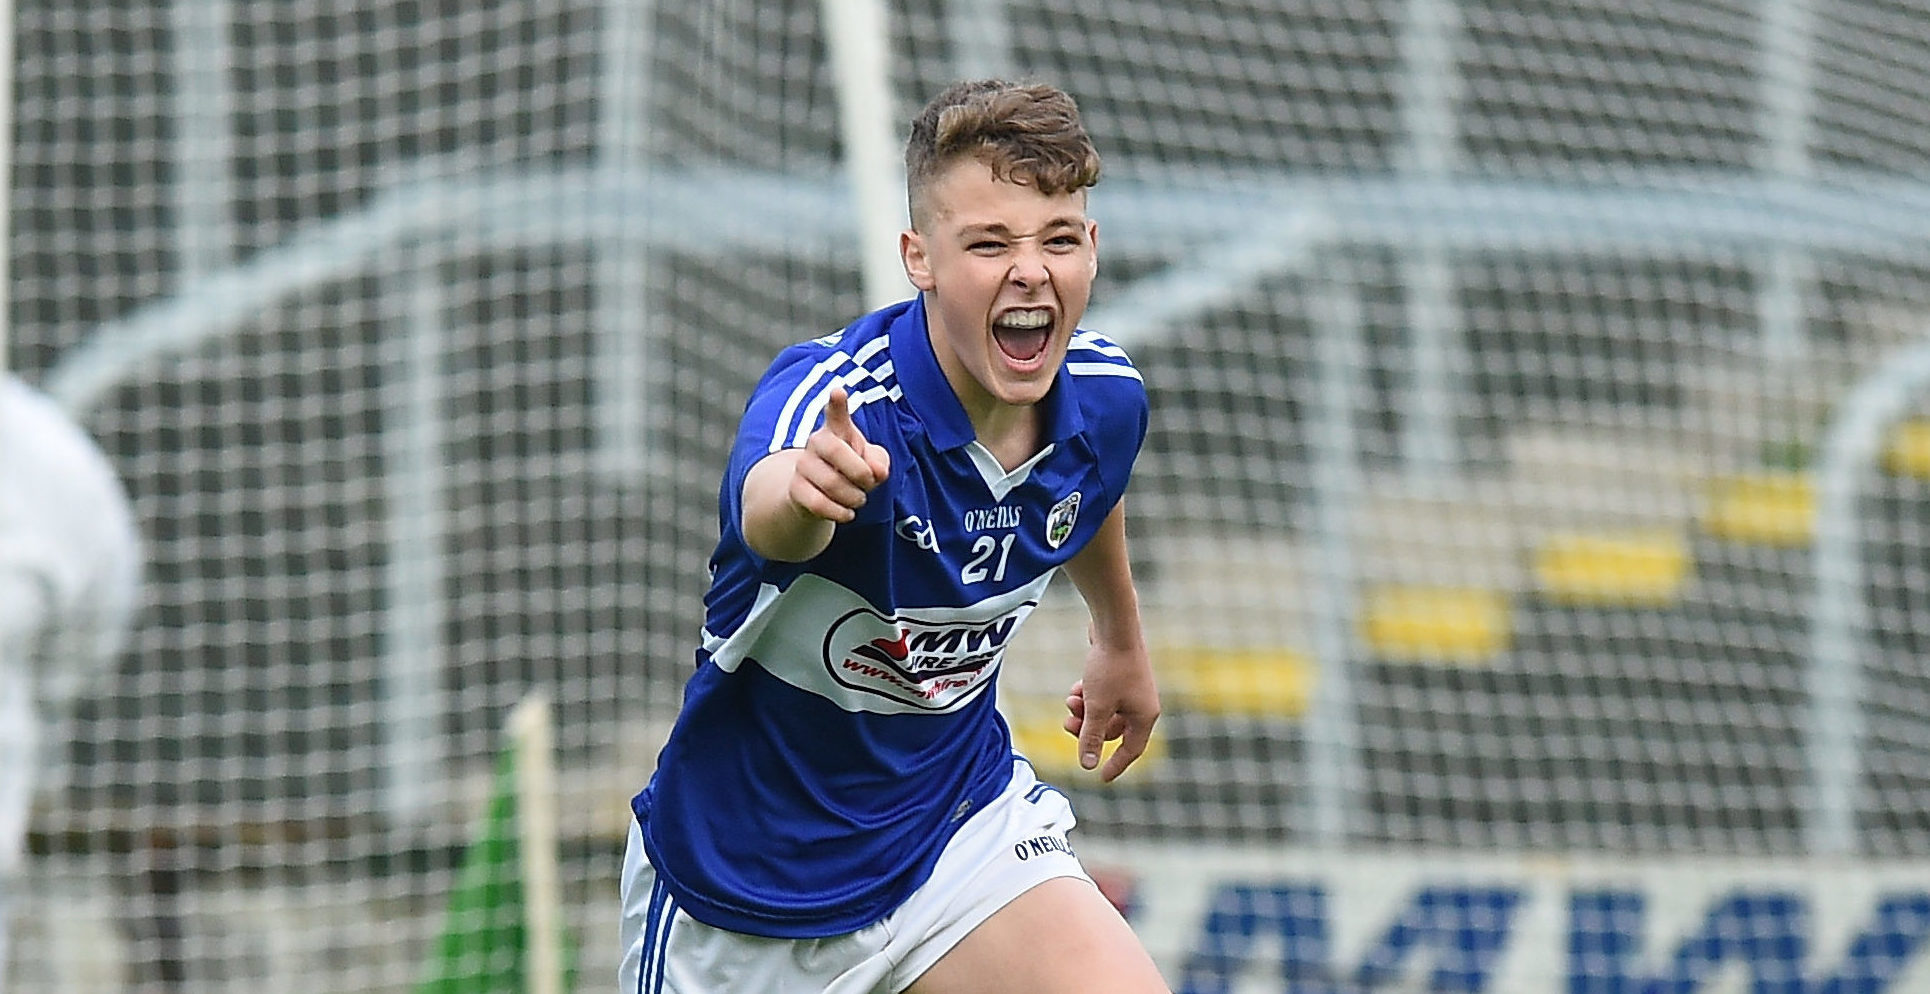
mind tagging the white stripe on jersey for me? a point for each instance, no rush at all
(1111, 361)
(1092, 341)
(805, 388)
(857, 398)
(1102, 369)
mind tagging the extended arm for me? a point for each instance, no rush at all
(1116, 698)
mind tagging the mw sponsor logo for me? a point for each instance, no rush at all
(930, 664)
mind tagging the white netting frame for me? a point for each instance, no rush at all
(266, 494)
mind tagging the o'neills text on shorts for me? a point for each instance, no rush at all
(1039, 845)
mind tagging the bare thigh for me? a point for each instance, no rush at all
(1060, 937)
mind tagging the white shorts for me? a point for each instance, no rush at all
(1012, 845)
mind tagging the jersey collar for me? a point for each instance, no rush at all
(937, 407)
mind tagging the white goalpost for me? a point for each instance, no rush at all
(531, 732)
(858, 38)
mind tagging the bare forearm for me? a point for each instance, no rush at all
(1116, 697)
(1102, 572)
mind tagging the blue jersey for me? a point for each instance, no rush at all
(841, 723)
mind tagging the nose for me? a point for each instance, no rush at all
(1028, 269)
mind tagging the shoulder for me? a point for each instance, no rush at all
(1093, 355)
(1112, 403)
(854, 354)
(1111, 392)
(788, 401)
(32, 416)
(1109, 385)
(65, 519)
(62, 467)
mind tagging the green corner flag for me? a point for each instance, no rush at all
(507, 885)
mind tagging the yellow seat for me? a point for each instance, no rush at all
(1644, 568)
(1237, 682)
(1038, 733)
(1908, 451)
(1458, 625)
(1774, 509)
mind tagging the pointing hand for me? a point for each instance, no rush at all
(839, 466)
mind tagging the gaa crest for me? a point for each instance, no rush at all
(1059, 521)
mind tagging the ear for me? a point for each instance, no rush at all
(911, 248)
(1092, 257)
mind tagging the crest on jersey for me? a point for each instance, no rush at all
(1059, 520)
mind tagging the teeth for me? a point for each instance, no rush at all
(1025, 319)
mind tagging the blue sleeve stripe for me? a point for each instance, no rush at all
(1040, 790)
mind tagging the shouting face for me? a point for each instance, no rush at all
(1006, 271)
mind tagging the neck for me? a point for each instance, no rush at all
(1011, 434)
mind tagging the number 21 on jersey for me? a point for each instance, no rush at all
(980, 565)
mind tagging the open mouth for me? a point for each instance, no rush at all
(1023, 334)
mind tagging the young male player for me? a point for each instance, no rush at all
(69, 568)
(838, 807)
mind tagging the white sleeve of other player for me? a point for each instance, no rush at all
(69, 548)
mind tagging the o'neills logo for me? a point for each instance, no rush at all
(930, 665)
(1039, 845)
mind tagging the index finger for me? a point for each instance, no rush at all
(837, 417)
(1131, 746)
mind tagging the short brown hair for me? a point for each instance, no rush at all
(1027, 133)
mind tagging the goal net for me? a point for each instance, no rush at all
(1539, 461)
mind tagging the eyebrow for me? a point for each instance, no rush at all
(999, 228)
